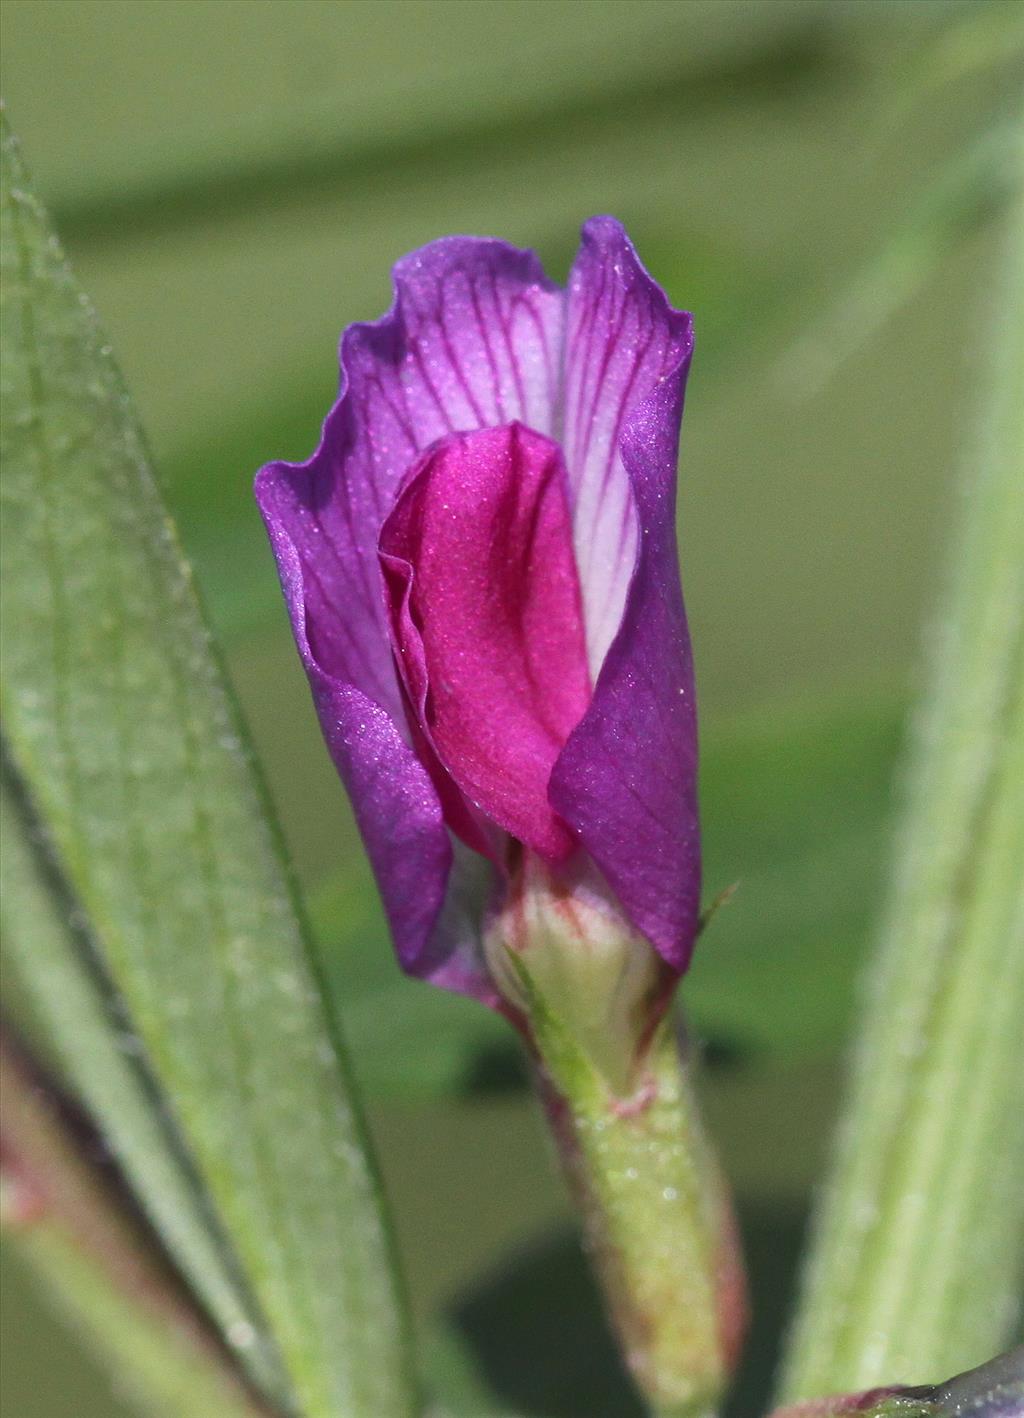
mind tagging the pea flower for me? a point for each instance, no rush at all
(480, 567)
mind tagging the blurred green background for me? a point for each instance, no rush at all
(234, 178)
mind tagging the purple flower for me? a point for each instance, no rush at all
(480, 567)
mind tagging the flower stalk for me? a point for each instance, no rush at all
(918, 1249)
(655, 1210)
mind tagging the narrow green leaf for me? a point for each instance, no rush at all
(919, 1249)
(85, 1029)
(121, 730)
(66, 1213)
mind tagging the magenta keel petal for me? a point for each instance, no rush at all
(487, 620)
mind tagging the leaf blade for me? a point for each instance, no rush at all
(917, 1252)
(66, 1212)
(120, 724)
(86, 1030)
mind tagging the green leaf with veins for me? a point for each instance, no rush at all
(129, 751)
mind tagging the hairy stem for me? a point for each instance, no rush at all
(656, 1219)
(915, 1265)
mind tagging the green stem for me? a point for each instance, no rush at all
(916, 1259)
(656, 1220)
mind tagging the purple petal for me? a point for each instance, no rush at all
(626, 780)
(622, 340)
(482, 329)
(487, 620)
(473, 337)
(395, 804)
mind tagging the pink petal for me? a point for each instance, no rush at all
(487, 620)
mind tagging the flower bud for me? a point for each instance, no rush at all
(563, 955)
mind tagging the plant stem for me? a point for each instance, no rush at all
(656, 1221)
(916, 1257)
